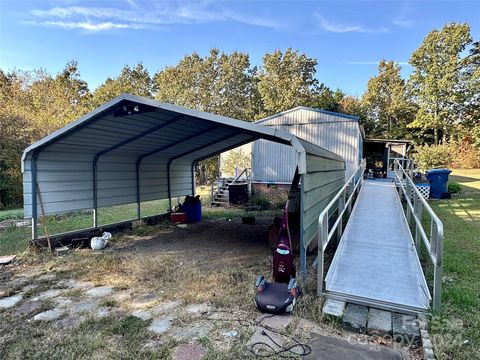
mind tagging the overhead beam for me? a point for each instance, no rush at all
(216, 141)
(117, 146)
(163, 148)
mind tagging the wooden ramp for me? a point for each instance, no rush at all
(376, 263)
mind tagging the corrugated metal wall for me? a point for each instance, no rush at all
(340, 134)
(320, 184)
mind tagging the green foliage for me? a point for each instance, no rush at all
(260, 200)
(235, 158)
(220, 83)
(388, 109)
(135, 81)
(287, 80)
(429, 157)
(454, 187)
(438, 81)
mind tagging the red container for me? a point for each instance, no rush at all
(178, 218)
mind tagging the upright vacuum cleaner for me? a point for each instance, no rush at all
(280, 295)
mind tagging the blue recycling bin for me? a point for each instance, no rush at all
(438, 182)
(193, 211)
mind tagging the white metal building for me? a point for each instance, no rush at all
(339, 133)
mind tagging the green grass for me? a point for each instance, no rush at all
(15, 240)
(456, 329)
(11, 214)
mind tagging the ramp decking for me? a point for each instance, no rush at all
(376, 263)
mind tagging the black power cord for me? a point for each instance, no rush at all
(289, 352)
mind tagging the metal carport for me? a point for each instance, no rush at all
(133, 149)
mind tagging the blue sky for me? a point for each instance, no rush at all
(348, 38)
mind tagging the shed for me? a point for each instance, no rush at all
(134, 149)
(339, 133)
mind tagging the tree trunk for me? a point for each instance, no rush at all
(444, 135)
(435, 136)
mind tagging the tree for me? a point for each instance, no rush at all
(287, 80)
(235, 159)
(329, 100)
(388, 107)
(220, 83)
(135, 81)
(437, 73)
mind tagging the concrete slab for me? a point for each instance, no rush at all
(198, 309)
(101, 291)
(49, 315)
(355, 318)
(333, 307)
(10, 301)
(262, 344)
(49, 294)
(160, 325)
(142, 314)
(379, 322)
(405, 329)
(189, 352)
(330, 348)
(84, 306)
(193, 332)
(277, 322)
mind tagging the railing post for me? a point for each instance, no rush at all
(436, 247)
(350, 190)
(418, 214)
(341, 206)
(408, 199)
(322, 239)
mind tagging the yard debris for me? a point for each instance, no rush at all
(231, 333)
(5, 260)
(99, 243)
(62, 250)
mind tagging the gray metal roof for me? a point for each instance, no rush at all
(134, 149)
(284, 120)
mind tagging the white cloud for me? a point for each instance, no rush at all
(146, 13)
(403, 23)
(335, 27)
(85, 25)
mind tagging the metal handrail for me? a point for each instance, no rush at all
(353, 184)
(434, 242)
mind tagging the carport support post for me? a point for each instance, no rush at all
(34, 196)
(194, 183)
(169, 186)
(303, 251)
(95, 212)
(137, 173)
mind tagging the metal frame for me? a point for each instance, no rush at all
(434, 242)
(216, 141)
(117, 146)
(34, 195)
(343, 204)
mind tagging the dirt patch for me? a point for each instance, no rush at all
(149, 293)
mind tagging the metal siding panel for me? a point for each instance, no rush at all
(328, 131)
